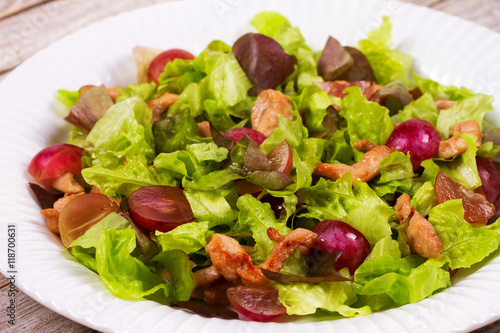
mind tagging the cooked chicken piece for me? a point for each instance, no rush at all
(52, 214)
(422, 237)
(52, 218)
(364, 145)
(204, 128)
(231, 260)
(66, 184)
(266, 109)
(285, 246)
(161, 104)
(421, 234)
(403, 207)
(365, 170)
(444, 105)
(456, 145)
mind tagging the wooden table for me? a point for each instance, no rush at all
(26, 26)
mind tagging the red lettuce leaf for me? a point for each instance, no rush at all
(334, 60)
(361, 70)
(91, 106)
(263, 61)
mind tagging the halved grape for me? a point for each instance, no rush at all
(256, 303)
(160, 207)
(53, 161)
(82, 213)
(157, 66)
(336, 235)
(476, 208)
(236, 134)
(416, 136)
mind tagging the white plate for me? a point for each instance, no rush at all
(445, 48)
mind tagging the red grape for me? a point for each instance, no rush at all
(476, 208)
(256, 303)
(82, 213)
(236, 134)
(157, 65)
(416, 136)
(276, 204)
(54, 161)
(160, 207)
(335, 235)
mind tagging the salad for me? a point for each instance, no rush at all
(274, 178)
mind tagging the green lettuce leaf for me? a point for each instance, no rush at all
(67, 98)
(473, 107)
(213, 205)
(313, 102)
(188, 237)
(125, 276)
(222, 93)
(462, 244)
(84, 247)
(256, 217)
(176, 132)
(388, 64)
(423, 108)
(305, 299)
(396, 175)
(404, 280)
(462, 168)
(365, 119)
(144, 91)
(179, 266)
(441, 92)
(124, 149)
(424, 198)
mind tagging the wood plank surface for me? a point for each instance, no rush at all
(27, 26)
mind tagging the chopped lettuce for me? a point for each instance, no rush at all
(441, 92)
(334, 297)
(218, 96)
(462, 244)
(423, 108)
(365, 119)
(404, 280)
(256, 217)
(396, 175)
(388, 64)
(462, 168)
(474, 107)
(188, 237)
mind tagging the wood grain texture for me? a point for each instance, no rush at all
(27, 26)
